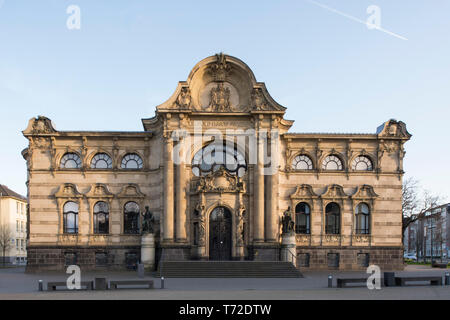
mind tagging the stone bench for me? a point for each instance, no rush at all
(51, 286)
(341, 282)
(434, 281)
(114, 283)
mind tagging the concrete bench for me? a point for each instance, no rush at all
(341, 283)
(434, 281)
(51, 286)
(115, 283)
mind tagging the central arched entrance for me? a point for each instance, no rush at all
(220, 234)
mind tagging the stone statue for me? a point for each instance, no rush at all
(240, 225)
(148, 221)
(287, 222)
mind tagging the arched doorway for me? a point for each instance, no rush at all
(220, 234)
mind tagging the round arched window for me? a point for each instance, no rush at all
(214, 156)
(101, 161)
(332, 162)
(362, 163)
(70, 160)
(131, 161)
(302, 162)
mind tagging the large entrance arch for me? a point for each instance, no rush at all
(220, 226)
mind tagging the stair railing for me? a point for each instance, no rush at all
(292, 257)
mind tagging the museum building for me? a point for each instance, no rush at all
(218, 169)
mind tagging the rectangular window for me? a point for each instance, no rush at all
(303, 260)
(333, 260)
(17, 225)
(17, 244)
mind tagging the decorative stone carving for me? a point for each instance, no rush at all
(332, 238)
(393, 128)
(364, 192)
(99, 190)
(39, 125)
(334, 191)
(220, 181)
(220, 98)
(259, 102)
(221, 68)
(360, 238)
(304, 191)
(41, 143)
(68, 190)
(184, 98)
(240, 215)
(303, 238)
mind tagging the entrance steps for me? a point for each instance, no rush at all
(228, 269)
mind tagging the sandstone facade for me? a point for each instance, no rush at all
(224, 203)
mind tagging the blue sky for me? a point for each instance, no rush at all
(331, 72)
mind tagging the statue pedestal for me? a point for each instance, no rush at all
(289, 248)
(148, 251)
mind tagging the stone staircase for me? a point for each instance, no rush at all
(228, 269)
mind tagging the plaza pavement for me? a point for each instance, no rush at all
(16, 284)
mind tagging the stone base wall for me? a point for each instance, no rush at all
(350, 258)
(53, 258)
(261, 252)
(125, 257)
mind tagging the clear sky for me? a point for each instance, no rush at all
(317, 58)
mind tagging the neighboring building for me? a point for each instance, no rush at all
(431, 231)
(13, 213)
(224, 201)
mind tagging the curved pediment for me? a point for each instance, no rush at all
(303, 191)
(68, 190)
(364, 192)
(334, 191)
(221, 84)
(99, 190)
(131, 191)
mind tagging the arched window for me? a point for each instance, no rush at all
(101, 161)
(302, 218)
(101, 218)
(131, 161)
(332, 162)
(70, 217)
(214, 156)
(131, 218)
(333, 218)
(362, 219)
(302, 162)
(362, 163)
(70, 161)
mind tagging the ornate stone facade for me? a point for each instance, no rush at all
(343, 190)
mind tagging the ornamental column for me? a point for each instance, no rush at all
(180, 215)
(168, 190)
(258, 231)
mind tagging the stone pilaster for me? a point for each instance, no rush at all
(181, 196)
(168, 190)
(258, 231)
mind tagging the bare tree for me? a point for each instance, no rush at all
(5, 239)
(415, 202)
